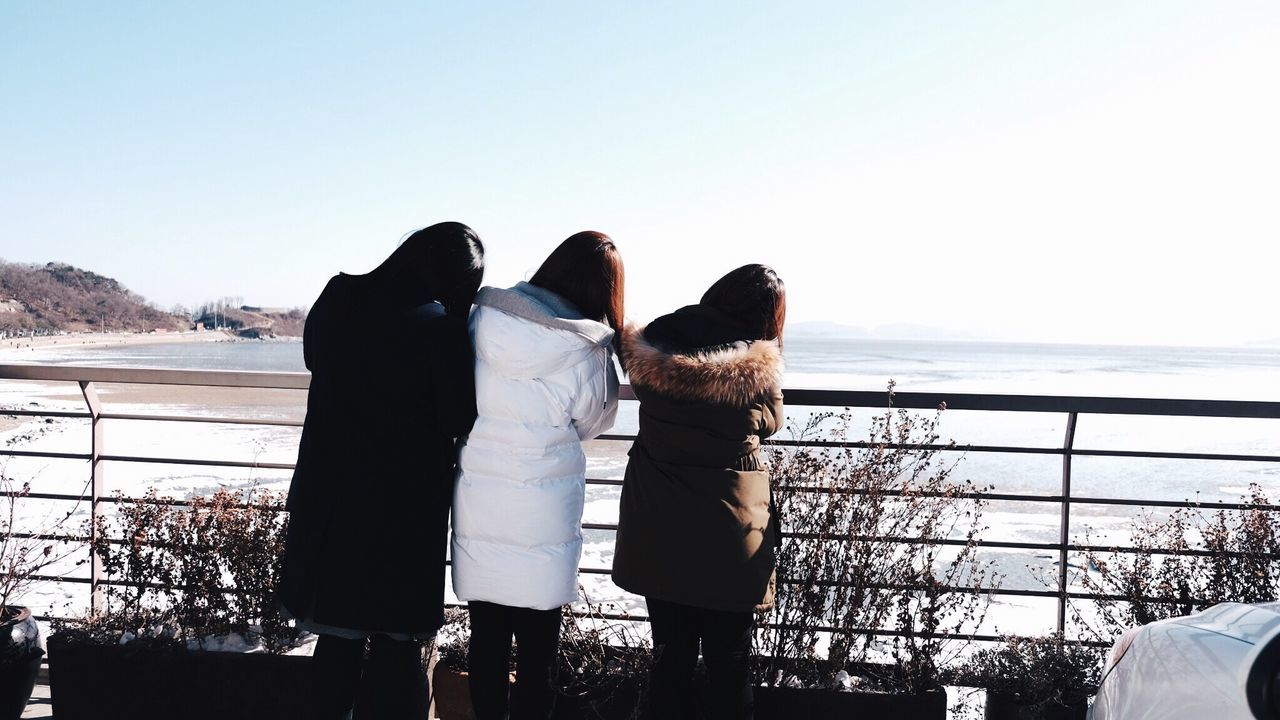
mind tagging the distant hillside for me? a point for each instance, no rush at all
(59, 297)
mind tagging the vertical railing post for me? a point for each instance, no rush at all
(1064, 529)
(96, 488)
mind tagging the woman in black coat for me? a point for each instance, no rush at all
(696, 532)
(392, 387)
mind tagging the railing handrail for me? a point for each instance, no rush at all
(994, 402)
(266, 380)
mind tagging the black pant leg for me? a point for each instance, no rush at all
(726, 650)
(395, 684)
(489, 658)
(675, 655)
(537, 645)
(336, 667)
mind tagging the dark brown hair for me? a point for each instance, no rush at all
(754, 297)
(586, 270)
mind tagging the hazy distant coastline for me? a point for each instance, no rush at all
(10, 347)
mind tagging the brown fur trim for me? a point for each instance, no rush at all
(733, 376)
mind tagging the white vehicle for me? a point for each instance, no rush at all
(1219, 664)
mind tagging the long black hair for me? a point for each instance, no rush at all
(586, 269)
(442, 263)
(754, 298)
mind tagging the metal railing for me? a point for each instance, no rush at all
(1072, 407)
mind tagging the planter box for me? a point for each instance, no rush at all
(1004, 707)
(89, 681)
(451, 694)
(17, 680)
(780, 703)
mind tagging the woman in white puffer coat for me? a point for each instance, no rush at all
(545, 381)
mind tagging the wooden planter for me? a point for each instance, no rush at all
(89, 681)
(780, 703)
(1004, 707)
(451, 694)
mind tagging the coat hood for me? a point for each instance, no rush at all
(534, 332)
(735, 373)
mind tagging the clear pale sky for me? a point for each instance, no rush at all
(1065, 171)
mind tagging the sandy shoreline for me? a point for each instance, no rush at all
(182, 400)
(78, 340)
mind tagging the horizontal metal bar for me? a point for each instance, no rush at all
(604, 481)
(45, 413)
(1139, 502)
(1015, 497)
(1161, 455)
(50, 455)
(940, 447)
(883, 632)
(61, 579)
(149, 376)
(1037, 403)
(614, 436)
(174, 502)
(201, 463)
(47, 536)
(1017, 449)
(43, 496)
(198, 419)
(1005, 449)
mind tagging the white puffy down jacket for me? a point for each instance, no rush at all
(545, 381)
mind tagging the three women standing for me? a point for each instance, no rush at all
(545, 382)
(696, 532)
(372, 486)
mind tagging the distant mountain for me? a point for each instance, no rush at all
(56, 297)
(59, 297)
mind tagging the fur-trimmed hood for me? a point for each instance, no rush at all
(739, 373)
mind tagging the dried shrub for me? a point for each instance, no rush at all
(864, 554)
(1183, 562)
(1038, 673)
(30, 544)
(187, 573)
(604, 662)
(454, 639)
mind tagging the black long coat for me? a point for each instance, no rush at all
(391, 389)
(695, 525)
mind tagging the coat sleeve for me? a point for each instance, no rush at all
(596, 407)
(451, 365)
(771, 414)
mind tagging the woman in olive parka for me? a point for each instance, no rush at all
(696, 534)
